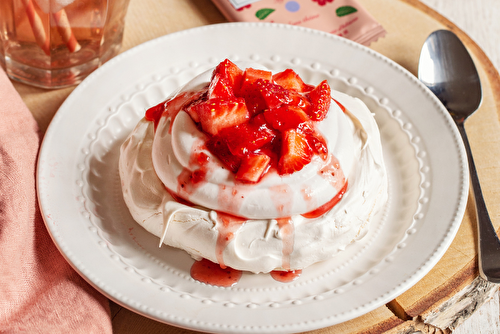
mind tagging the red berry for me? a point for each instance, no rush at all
(288, 117)
(288, 79)
(295, 152)
(253, 167)
(320, 98)
(226, 80)
(218, 114)
(247, 138)
(218, 147)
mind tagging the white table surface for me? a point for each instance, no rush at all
(480, 19)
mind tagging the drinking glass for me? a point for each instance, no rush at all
(57, 43)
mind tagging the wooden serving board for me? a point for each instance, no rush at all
(430, 306)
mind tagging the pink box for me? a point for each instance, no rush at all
(346, 18)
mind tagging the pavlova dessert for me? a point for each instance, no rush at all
(255, 171)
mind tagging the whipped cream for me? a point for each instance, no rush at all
(274, 234)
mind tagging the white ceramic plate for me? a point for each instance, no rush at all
(81, 201)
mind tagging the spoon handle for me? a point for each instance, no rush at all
(489, 244)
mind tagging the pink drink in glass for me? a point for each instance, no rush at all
(57, 43)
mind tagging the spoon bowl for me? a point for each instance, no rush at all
(446, 68)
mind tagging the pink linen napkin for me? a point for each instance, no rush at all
(39, 291)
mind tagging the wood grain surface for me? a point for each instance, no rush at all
(444, 299)
(480, 20)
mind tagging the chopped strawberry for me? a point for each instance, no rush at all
(192, 108)
(288, 117)
(253, 98)
(295, 152)
(273, 94)
(262, 94)
(288, 79)
(320, 98)
(218, 147)
(318, 144)
(229, 70)
(226, 80)
(255, 121)
(251, 75)
(218, 114)
(247, 138)
(220, 88)
(253, 167)
(250, 91)
(301, 101)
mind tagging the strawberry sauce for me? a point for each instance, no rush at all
(340, 105)
(327, 206)
(230, 198)
(227, 226)
(171, 106)
(211, 273)
(282, 196)
(285, 276)
(193, 177)
(287, 235)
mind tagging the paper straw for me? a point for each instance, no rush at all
(65, 30)
(37, 27)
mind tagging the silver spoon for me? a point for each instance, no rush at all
(447, 69)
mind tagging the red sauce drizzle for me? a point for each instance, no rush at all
(179, 199)
(285, 276)
(328, 205)
(281, 196)
(287, 235)
(172, 107)
(153, 114)
(308, 199)
(211, 273)
(192, 178)
(332, 172)
(227, 226)
(230, 198)
(340, 105)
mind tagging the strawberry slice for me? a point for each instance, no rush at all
(320, 98)
(251, 75)
(301, 101)
(247, 138)
(317, 143)
(288, 79)
(295, 152)
(274, 95)
(220, 88)
(226, 80)
(250, 91)
(253, 98)
(288, 117)
(253, 167)
(227, 69)
(218, 114)
(192, 108)
(218, 147)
